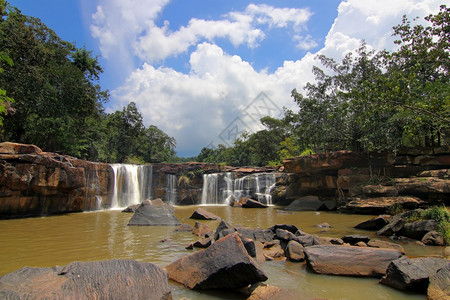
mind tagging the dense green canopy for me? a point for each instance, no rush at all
(50, 93)
(370, 101)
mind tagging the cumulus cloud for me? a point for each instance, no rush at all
(197, 106)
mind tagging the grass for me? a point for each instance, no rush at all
(440, 215)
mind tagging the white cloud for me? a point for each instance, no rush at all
(125, 28)
(196, 106)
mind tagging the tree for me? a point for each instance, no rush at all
(57, 102)
(5, 101)
(373, 101)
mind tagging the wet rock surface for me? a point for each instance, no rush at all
(349, 260)
(224, 265)
(203, 214)
(154, 213)
(412, 274)
(114, 279)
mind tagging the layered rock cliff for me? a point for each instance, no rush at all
(33, 182)
(345, 176)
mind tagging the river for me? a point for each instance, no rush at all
(102, 235)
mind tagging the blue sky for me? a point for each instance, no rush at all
(203, 70)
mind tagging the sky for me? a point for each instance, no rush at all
(205, 71)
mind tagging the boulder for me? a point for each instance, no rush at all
(284, 235)
(254, 249)
(202, 214)
(203, 243)
(250, 203)
(433, 238)
(113, 279)
(439, 286)
(295, 251)
(308, 203)
(262, 291)
(412, 274)
(154, 213)
(308, 240)
(224, 265)
(184, 227)
(386, 245)
(355, 238)
(222, 226)
(379, 205)
(375, 223)
(256, 234)
(201, 229)
(349, 260)
(417, 230)
(291, 228)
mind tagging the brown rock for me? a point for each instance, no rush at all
(114, 279)
(412, 274)
(250, 203)
(386, 245)
(348, 260)
(433, 238)
(439, 286)
(262, 291)
(380, 191)
(295, 251)
(202, 214)
(224, 265)
(202, 229)
(379, 205)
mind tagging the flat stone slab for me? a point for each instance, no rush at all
(379, 205)
(349, 260)
(224, 265)
(112, 279)
(203, 214)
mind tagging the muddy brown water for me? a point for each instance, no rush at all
(59, 240)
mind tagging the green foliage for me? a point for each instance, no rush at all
(372, 101)
(58, 103)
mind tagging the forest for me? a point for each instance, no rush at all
(369, 101)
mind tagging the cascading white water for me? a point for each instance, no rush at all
(171, 189)
(132, 184)
(222, 188)
(210, 191)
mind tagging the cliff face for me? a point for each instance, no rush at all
(342, 176)
(33, 182)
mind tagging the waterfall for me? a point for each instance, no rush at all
(132, 184)
(210, 191)
(222, 188)
(171, 189)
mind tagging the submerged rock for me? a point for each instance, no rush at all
(154, 213)
(112, 279)
(250, 203)
(201, 229)
(412, 274)
(202, 214)
(375, 223)
(349, 260)
(224, 265)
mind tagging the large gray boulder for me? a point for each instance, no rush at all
(154, 213)
(224, 265)
(417, 230)
(349, 260)
(113, 279)
(412, 274)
